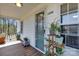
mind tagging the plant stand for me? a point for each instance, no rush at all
(51, 45)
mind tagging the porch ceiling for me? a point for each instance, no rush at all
(11, 10)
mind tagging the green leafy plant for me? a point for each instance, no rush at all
(59, 51)
(55, 28)
(18, 37)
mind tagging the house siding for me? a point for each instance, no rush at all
(29, 29)
(29, 23)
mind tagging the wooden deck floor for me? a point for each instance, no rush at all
(19, 50)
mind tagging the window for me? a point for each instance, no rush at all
(70, 24)
(73, 29)
(1, 25)
(71, 18)
(67, 8)
(63, 8)
(21, 26)
(9, 26)
(73, 6)
(70, 29)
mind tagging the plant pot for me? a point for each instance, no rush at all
(52, 32)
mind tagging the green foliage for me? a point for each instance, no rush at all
(18, 37)
(12, 29)
(47, 53)
(8, 29)
(59, 51)
(55, 27)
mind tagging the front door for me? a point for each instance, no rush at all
(40, 31)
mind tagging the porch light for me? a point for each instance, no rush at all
(18, 3)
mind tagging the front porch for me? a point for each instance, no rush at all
(36, 25)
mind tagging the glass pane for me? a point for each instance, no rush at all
(65, 19)
(12, 27)
(72, 41)
(71, 18)
(1, 25)
(4, 25)
(63, 8)
(65, 29)
(21, 26)
(73, 6)
(73, 29)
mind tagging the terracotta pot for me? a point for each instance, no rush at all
(2, 40)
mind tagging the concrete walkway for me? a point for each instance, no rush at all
(68, 51)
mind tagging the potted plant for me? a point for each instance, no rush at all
(55, 30)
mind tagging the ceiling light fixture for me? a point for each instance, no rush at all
(18, 3)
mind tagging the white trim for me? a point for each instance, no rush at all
(38, 49)
(9, 44)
